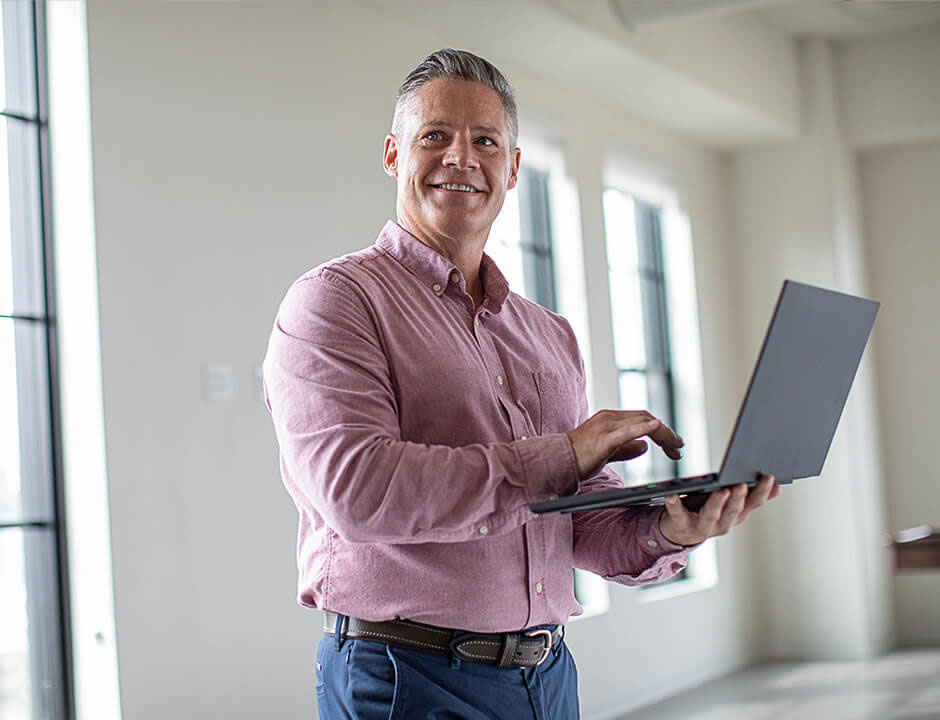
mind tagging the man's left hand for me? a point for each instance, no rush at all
(723, 510)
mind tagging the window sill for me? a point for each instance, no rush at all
(658, 593)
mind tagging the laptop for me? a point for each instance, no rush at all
(791, 410)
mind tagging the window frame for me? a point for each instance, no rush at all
(46, 570)
(656, 186)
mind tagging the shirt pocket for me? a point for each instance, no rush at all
(559, 402)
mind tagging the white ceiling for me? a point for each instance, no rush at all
(722, 72)
(836, 19)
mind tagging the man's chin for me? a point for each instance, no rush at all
(458, 224)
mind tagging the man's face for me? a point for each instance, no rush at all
(453, 160)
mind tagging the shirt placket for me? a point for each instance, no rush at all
(534, 530)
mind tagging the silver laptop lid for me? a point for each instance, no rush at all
(809, 360)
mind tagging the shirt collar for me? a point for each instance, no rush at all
(433, 269)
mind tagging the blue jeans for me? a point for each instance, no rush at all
(365, 680)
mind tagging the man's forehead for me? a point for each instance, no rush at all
(448, 102)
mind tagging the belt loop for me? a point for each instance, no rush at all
(454, 658)
(338, 631)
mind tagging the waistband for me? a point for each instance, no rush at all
(525, 648)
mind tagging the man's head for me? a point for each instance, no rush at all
(452, 149)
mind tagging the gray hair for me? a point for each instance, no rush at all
(462, 65)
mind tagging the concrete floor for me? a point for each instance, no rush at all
(903, 685)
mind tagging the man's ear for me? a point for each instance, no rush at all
(514, 168)
(390, 156)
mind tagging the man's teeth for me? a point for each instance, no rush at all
(454, 186)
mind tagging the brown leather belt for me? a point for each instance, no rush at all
(526, 648)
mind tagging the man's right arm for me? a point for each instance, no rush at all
(332, 399)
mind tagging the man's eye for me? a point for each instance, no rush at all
(434, 135)
(485, 141)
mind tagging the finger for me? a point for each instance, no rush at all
(681, 517)
(766, 489)
(631, 450)
(624, 431)
(668, 440)
(733, 509)
(710, 514)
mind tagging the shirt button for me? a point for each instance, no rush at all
(553, 496)
(652, 543)
(436, 287)
(454, 276)
(538, 588)
(484, 530)
(524, 437)
(499, 379)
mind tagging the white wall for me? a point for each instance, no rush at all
(888, 87)
(825, 573)
(902, 217)
(815, 209)
(235, 146)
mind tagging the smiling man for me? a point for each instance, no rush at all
(420, 406)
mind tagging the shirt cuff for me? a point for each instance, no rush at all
(548, 466)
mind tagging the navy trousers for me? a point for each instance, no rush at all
(365, 680)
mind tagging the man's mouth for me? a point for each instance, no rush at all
(459, 187)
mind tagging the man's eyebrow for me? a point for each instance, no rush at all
(446, 124)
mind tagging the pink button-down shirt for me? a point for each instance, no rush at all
(415, 430)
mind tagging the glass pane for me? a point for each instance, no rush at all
(536, 219)
(539, 277)
(626, 310)
(503, 243)
(648, 391)
(17, 73)
(30, 671)
(21, 262)
(634, 396)
(659, 396)
(654, 314)
(25, 447)
(620, 230)
(648, 241)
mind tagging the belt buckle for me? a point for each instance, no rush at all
(547, 637)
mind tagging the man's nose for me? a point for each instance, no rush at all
(460, 154)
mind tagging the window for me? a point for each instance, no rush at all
(640, 321)
(33, 631)
(655, 328)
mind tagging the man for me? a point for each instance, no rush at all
(420, 406)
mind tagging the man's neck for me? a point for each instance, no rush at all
(466, 253)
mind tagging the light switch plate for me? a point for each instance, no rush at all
(217, 383)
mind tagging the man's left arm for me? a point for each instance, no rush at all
(624, 545)
(636, 546)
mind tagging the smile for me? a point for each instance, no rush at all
(457, 187)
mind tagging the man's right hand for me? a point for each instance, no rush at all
(614, 435)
